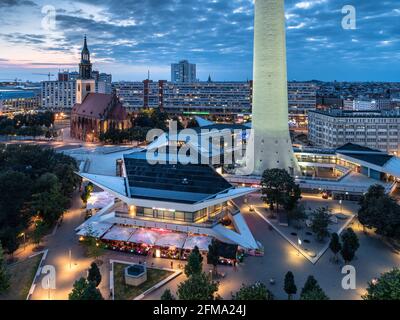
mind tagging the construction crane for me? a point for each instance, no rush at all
(45, 74)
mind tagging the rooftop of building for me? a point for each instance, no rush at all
(100, 106)
(350, 147)
(168, 181)
(338, 113)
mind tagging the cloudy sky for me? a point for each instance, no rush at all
(128, 37)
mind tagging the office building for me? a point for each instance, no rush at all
(378, 129)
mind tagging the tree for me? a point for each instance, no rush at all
(319, 223)
(298, 213)
(213, 254)
(335, 245)
(167, 296)
(65, 173)
(257, 291)
(290, 286)
(94, 274)
(93, 248)
(312, 290)
(85, 290)
(87, 192)
(314, 295)
(197, 287)
(387, 287)
(48, 200)
(280, 189)
(381, 212)
(194, 263)
(4, 275)
(15, 190)
(347, 252)
(39, 232)
(350, 245)
(9, 240)
(349, 237)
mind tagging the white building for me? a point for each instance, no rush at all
(58, 95)
(374, 129)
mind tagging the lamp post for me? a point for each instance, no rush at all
(70, 258)
(23, 235)
(299, 243)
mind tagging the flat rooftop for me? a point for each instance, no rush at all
(172, 181)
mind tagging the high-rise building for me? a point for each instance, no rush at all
(271, 138)
(183, 72)
(103, 82)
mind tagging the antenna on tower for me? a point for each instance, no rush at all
(148, 74)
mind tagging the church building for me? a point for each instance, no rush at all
(94, 113)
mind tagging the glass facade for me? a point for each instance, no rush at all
(191, 217)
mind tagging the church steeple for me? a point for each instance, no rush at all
(85, 67)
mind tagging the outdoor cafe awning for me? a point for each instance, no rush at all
(117, 233)
(171, 239)
(202, 242)
(95, 229)
(144, 236)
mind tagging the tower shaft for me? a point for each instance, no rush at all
(272, 142)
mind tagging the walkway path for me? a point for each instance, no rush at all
(59, 246)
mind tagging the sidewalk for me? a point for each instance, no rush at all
(60, 245)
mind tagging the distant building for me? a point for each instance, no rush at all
(207, 98)
(103, 82)
(201, 98)
(302, 97)
(373, 129)
(94, 113)
(183, 72)
(362, 105)
(61, 94)
(19, 100)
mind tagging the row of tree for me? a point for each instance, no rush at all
(35, 188)
(142, 123)
(347, 247)
(27, 124)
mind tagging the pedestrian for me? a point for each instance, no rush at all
(172, 264)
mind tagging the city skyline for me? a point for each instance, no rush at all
(128, 40)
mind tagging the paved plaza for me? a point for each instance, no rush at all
(373, 258)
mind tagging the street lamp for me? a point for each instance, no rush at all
(299, 243)
(23, 235)
(70, 258)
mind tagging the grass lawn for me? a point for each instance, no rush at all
(22, 274)
(126, 292)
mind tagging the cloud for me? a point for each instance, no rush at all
(15, 3)
(217, 35)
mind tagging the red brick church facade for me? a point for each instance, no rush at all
(94, 113)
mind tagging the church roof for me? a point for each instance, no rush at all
(100, 106)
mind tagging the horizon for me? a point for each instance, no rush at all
(217, 35)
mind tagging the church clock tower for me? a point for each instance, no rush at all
(85, 83)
